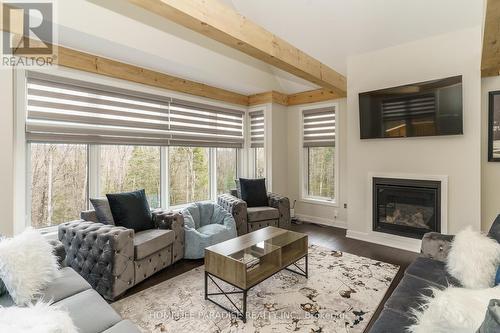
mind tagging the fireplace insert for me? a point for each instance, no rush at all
(406, 207)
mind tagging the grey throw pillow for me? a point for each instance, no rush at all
(103, 211)
(491, 323)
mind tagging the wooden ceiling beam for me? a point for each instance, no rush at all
(268, 97)
(87, 62)
(313, 96)
(490, 62)
(99, 65)
(221, 23)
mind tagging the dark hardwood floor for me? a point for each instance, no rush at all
(329, 237)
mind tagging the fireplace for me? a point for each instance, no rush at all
(406, 207)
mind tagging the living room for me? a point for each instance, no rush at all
(250, 166)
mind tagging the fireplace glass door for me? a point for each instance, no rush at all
(406, 207)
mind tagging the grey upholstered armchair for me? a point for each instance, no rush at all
(113, 259)
(248, 219)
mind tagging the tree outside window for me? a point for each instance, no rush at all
(321, 173)
(59, 176)
(226, 161)
(131, 168)
(188, 174)
(58, 183)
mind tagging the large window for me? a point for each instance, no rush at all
(188, 175)
(179, 151)
(129, 168)
(58, 183)
(318, 137)
(226, 162)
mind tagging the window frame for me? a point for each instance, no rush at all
(304, 161)
(23, 149)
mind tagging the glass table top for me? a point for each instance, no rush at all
(263, 247)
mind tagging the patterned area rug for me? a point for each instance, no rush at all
(341, 295)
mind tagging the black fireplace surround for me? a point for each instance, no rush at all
(406, 207)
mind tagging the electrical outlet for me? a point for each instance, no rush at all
(345, 206)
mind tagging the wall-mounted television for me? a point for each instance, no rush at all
(421, 109)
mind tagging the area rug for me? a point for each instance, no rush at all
(340, 295)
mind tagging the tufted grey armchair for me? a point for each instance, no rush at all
(113, 259)
(248, 219)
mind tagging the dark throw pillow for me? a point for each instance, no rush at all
(131, 210)
(254, 192)
(103, 211)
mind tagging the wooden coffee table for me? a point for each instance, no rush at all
(245, 261)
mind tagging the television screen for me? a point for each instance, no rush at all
(420, 109)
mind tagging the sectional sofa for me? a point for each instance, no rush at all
(88, 310)
(428, 270)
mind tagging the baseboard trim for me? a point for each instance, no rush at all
(403, 243)
(322, 221)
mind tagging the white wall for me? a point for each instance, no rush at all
(458, 157)
(277, 155)
(6, 152)
(317, 212)
(490, 171)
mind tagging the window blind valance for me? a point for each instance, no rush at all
(62, 110)
(319, 127)
(257, 130)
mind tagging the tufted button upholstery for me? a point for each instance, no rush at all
(175, 222)
(283, 205)
(104, 254)
(436, 246)
(153, 263)
(238, 208)
(253, 226)
(100, 253)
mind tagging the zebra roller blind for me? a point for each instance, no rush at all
(70, 111)
(257, 130)
(319, 127)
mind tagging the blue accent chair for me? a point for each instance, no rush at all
(205, 224)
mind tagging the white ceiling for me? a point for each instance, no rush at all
(333, 30)
(329, 30)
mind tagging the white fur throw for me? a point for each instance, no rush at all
(27, 265)
(474, 259)
(453, 310)
(38, 318)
